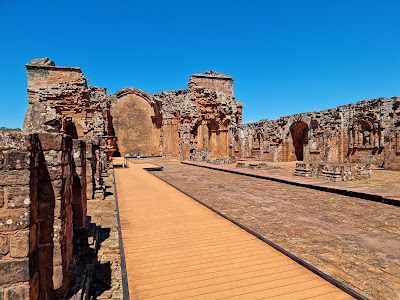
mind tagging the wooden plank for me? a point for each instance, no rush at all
(176, 248)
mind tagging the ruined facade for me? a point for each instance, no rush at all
(190, 124)
(203, 122)
(363, 132)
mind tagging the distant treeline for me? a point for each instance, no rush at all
(9, 129)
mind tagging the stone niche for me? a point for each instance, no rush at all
(137, 123)
(37, 213)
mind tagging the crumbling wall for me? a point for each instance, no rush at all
(180, 123)
(61, 101)
(363, 132)
(17, 280)
(198, 120)
(137, 122)
(36, 214)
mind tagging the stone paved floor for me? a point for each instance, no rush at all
(385, 180)
(356, 241)
(103, 213)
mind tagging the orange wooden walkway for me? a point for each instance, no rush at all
(175, 248)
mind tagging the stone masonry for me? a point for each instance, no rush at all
(71, 130)
(37, 213)
(191, 124)
(364, 132)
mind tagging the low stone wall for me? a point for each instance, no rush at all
(256, 166)
(334, 171)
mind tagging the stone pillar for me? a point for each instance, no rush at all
(35, 214)
(90, 170)
(79, 189)
(15, 246)
(55, 209)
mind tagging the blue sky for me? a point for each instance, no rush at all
(286, 56)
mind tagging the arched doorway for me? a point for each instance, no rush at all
(71, 130)
(299, 132)
(136, 125)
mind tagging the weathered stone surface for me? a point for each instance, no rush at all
(19, 292)
(334, 171)
(1, 196)
(15, 160)
(13, 271)
(58, 277)
(14, 177)
(363, 132)
(18, 197)
(14, 219)
(51, 142)
(4, 246)
(41, 62)
(19, 244)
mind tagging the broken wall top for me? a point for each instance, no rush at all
(212, 80)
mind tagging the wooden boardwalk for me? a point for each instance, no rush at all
(175, 248)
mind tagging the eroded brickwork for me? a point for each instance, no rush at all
(191, 124)
(37, 214)
(15, 225)
(61, 101)
(363, 132)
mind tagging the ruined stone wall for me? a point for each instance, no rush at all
(57, 96)
(197, 121)
(190, 124)
(61, 101)
(202, 122)
(214, 81)
(365, 132)
(37, 214)
(16, 240)
(137, 123)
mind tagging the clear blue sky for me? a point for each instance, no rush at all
(286, 56)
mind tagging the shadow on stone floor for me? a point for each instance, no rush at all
(90, 277)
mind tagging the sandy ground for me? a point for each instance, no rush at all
(355, 241)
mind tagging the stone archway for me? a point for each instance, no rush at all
(299, 132)
(137, 124)
(71, 130)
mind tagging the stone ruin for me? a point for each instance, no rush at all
(71, 131)
(334, 171)
(365, 132)
(204, 122)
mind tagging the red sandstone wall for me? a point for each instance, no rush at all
(365, 132)
(213, 81)
(36, 216)
(52, 90)
(15, 246)
(79, 187)
(135, 126)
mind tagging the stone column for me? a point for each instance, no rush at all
(15, 230)
(79, 206)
